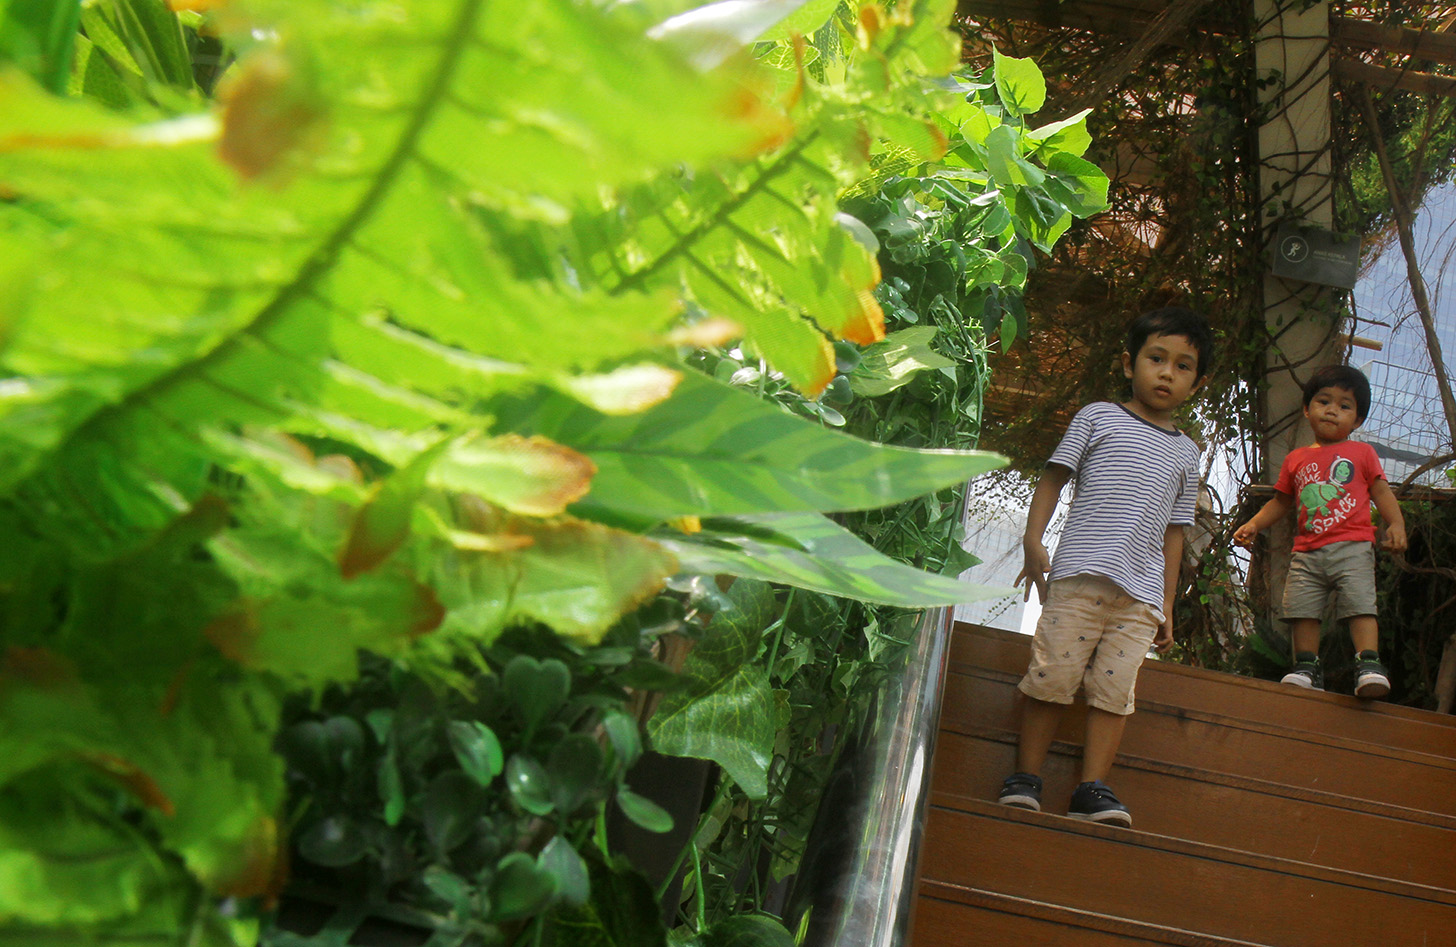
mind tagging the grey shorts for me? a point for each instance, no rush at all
(1091, 635)
(1343, 570)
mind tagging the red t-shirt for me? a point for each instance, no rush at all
(1331, 490)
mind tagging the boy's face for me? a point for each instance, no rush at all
(1332, 414)
(1164, 374)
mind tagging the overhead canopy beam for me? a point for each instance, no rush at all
(1132, 17)
(1119, 17)
(1419, 44)
(1386, 78)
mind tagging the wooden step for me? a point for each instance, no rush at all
(950, 916)
(1170, 883)
(1230, 695)
(980, 702)
(1228, 811)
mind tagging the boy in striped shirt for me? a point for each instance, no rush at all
(1108, 594)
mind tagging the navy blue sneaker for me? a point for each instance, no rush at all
(1096, 802)
(1022, 791)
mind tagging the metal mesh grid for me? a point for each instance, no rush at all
(1406, 424)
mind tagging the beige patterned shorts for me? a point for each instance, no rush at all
(1094, 635)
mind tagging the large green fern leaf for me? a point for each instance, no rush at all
(206, 303)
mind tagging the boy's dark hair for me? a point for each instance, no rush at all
(1349, 378)
(1173, 320)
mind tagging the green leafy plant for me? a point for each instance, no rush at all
(380, 353)
(954, 245)
(475, 807)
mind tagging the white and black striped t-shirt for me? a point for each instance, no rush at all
(1133, 480)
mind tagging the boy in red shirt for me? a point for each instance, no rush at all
(1334, 481)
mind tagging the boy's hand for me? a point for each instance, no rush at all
(1037, 564)
(1163, 640)
(1394, 540)
(1244, 535)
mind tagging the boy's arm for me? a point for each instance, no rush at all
(1172, 562)
(1272, 512)
(1389, 509)
(1043, 504)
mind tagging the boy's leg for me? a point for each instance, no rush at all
(1104, 736)
(1039, 722)
(1371, 680)
(1365, 633)
(1355, 574)
(1307, 589)
(1305, 633)
(1110, 683)
(1059, 652)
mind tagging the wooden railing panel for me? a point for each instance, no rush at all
(1264, 818)
(1176, 884)
(950, 916)
(1233, 696)
(976, 704)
